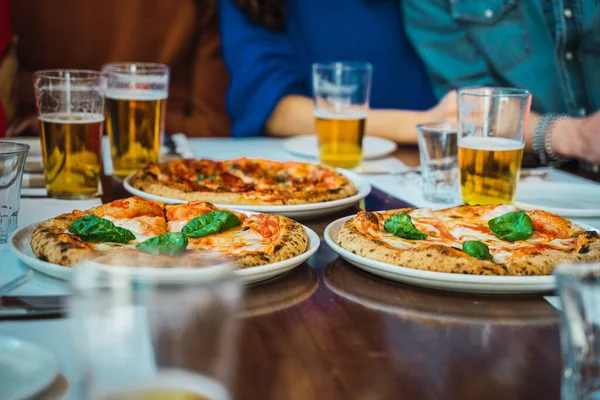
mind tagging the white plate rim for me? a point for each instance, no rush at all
(362, 184)
(52, 371)
(571, 212)
(247, 275)
(447, 277)
(388, 147)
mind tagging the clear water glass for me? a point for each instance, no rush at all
(439, 162)
(12, 164)
(150, 327)
(579, 290)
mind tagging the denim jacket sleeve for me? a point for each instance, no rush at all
(451, 58)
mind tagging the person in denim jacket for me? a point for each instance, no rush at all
(551, 48)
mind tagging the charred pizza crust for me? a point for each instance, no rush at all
(169, 180)
(525, 260)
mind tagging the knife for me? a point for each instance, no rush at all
(32, 306)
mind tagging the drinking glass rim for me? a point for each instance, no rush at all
(438, 127)
(573, 271)
(146, 68)
(497, 91)
(18, 148)
(53, 74)
(343, 65)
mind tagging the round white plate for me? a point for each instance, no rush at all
(307, 146)
(19, 244)
(25, 368)
(440, 280)
(292, 211)
(563, 198)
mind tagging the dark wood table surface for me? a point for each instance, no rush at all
(327, 330)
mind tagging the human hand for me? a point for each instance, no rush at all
(578, 138)
(446, 110)
(8, 80)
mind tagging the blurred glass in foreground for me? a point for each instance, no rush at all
(341, 94)
(491, 139)
(439, 162)
(155, 327)
(579, 290)
(12, 164)
(136, 101)
(70, 108)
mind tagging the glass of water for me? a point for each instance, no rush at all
(439, 162)
(579, 290)
(12, 163)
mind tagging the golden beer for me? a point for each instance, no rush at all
(489, 169)
(340, 137)
(159, 394)
(71, 150)
(134, 122)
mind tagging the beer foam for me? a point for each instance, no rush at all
(328, 114)
(136, 94)
(71, 118)
(490, 143)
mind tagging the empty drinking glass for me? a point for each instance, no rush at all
(439, 162)
(12, 163)
(579, 290)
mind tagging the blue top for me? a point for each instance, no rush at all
(265, 66)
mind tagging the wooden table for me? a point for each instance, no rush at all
(330, 331)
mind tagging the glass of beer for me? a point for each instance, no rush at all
(148, 327)
(70, 108)
(491, 139)
(341, 92)
(136, 97)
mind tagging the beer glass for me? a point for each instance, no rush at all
(491, 139)
(341, 92)
(579, 290)
(144, 331)
(136, 96)
(70, 108)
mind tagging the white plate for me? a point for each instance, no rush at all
(441, 280)
(563, 198)
(292, 211)
(19, 244)
(307, 146)
(25, 368)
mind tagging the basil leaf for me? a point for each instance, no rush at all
(477, 249)
(512, 226)
(401, 225)
(94, 229)
(208, 224)
(170, 244)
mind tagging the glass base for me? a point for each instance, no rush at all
(8, 224)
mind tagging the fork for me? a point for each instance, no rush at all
(15, 283)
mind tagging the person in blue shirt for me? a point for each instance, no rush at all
(270, 45)
(550, 47)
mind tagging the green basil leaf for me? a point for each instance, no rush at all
(208, 224)
(94, 229)
(401, 225)
(477, 249)
(201, 177)
(512, 226)
(170, 244)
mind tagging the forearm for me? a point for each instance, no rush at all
(293, 115)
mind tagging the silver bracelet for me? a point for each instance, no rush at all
(542, 140)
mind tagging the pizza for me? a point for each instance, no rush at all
(244, 181)
(165, 233)
(479, 240)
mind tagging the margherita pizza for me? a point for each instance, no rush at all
(141, 226)
(481, 240)
(244, 181)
